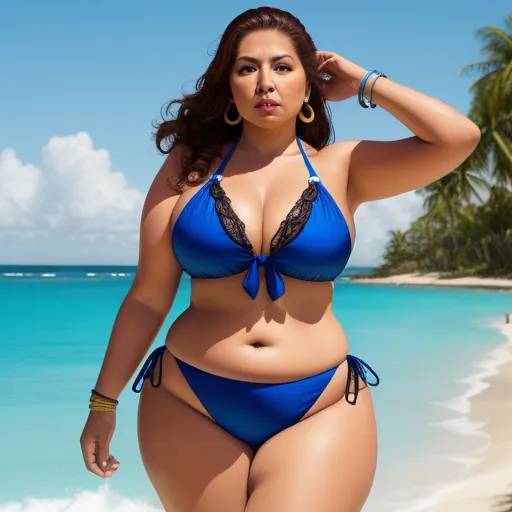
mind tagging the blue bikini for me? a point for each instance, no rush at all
(313, 243)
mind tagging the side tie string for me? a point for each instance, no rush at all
(148, 370)
(358, 368)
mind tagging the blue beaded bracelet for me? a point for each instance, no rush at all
(363, 101)
(360, 96)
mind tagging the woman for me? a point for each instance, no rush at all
(254, 403)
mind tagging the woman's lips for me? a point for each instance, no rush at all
(267, 108)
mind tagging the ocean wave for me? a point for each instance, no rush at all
(102, 500)
(476, 383)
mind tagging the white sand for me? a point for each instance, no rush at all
(433, 279)
(491, 479)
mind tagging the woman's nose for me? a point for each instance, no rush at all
(265, 83)
(264, 88)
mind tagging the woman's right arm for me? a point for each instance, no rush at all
(141, 313)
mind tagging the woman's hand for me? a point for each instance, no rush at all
(95, 442)
(345, 76)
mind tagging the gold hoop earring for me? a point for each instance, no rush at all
(229, 121)
(311, 116)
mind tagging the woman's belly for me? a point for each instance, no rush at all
(260, 341)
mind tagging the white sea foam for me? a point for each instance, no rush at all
(90, 274)
(48, 275)
(464, 427)
(102, 500)
(476, 384)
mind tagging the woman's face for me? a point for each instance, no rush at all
(268, 67)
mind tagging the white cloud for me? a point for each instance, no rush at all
(20, 186)
(374, 221)
(84, 192)
(75, 207)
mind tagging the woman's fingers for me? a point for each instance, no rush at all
(112, 465)
(102, 454)
(95, 443)
(324, 62)
(108, 463)
(89, 454)
(321, 55)
(96, 461)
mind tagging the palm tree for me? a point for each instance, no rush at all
(396, 251)
(445, 198)
(397, 243)
(493, 155)
(492, 103)
(455, 189)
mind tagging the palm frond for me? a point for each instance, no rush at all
(495, 38)
(483, 68)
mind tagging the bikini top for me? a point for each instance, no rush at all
(313, 243)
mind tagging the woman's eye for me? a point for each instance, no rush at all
(248, 69)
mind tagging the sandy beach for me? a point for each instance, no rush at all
(489, 488)
(433, 279)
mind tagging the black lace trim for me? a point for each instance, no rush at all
(289, 229)
(296, 219)
(230, 221)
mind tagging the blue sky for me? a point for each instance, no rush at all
(104, 69)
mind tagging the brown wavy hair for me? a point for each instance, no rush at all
(199, 122)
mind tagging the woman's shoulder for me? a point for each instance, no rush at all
(167, 177)
(333, 155)
(342, 148)
(332, 162)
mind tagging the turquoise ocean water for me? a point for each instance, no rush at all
(428, 346)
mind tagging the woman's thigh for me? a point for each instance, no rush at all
(193, 464)
(325, 462)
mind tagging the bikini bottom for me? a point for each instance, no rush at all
(254, 412)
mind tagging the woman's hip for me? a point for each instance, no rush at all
(255, 411)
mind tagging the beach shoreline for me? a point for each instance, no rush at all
(488, 488)
(434, 279)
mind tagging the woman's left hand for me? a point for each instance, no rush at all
(345, 76)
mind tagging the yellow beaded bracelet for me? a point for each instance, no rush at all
(99, 402)
(94, 407)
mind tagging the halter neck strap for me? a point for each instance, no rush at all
(228, 155)
(312, 171)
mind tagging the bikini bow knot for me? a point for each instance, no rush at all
(251, 283)
(261, 259)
